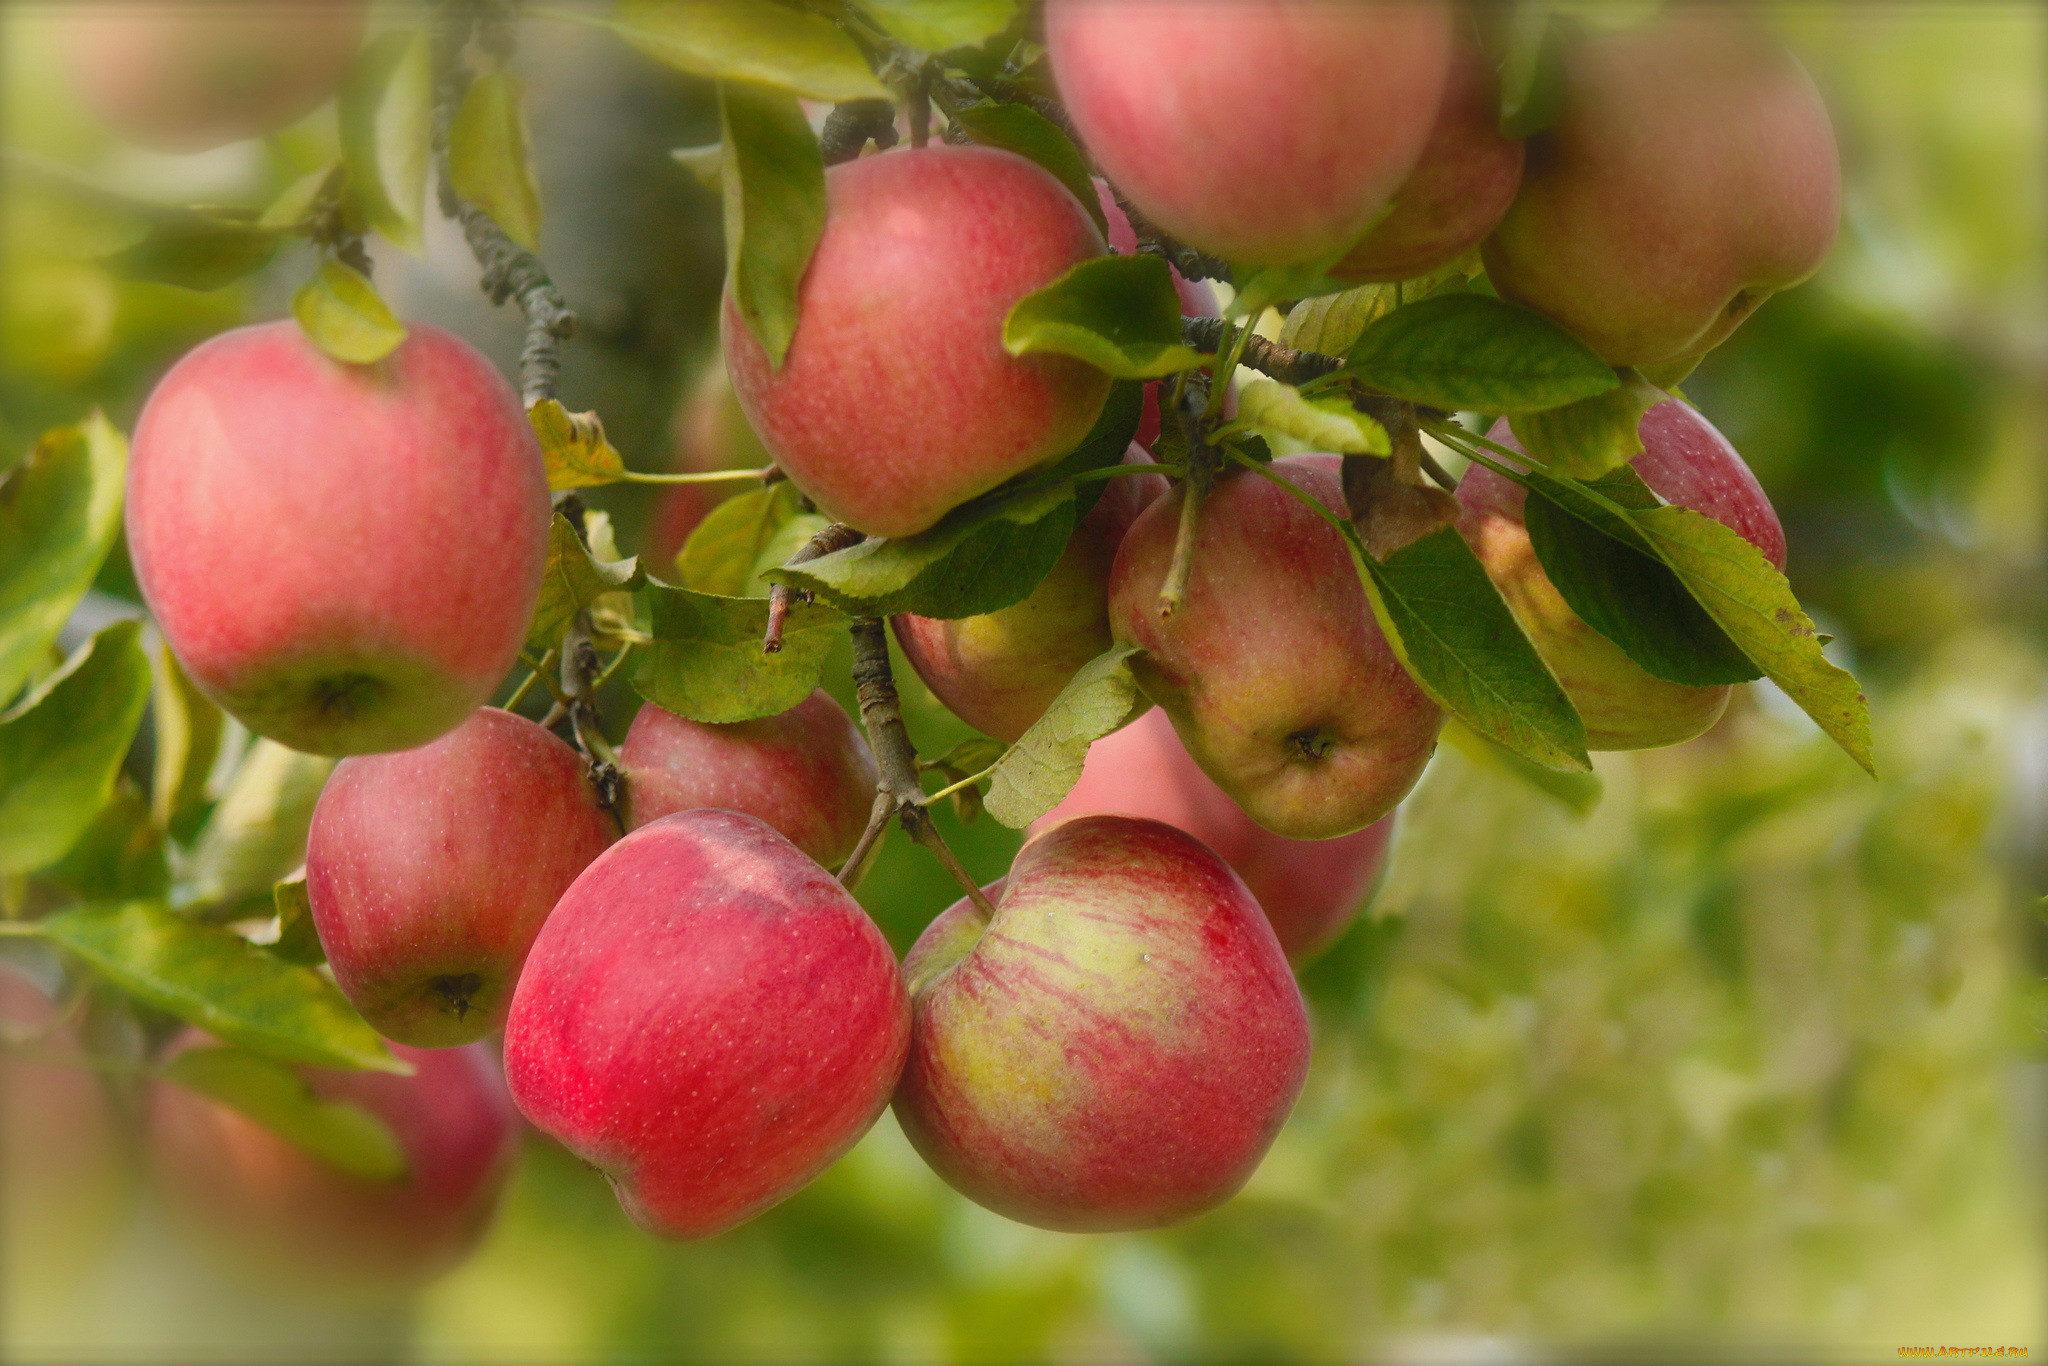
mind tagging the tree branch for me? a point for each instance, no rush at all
(834, 537)
(1271, 359)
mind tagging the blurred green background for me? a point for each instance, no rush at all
(1746, 1062)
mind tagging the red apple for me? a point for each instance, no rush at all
(185, 76)
(708, 1019)
(1690, 173)
(277, 1209)
(1463, 183)
(1686, 463)
(1310, 890)
(1115, 1049)
(999, 672)
(431, 870)
(1273, 669)
(344, 557)
(1268, 134)
(897, 402)
(711, 433)
(807, 772)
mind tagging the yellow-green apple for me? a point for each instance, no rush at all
(275, 1209)
(708, 1019)
(1309, 889)
(1460, 187)
(430, 871)
(1273, 669)
(344, 557)
(711, 433)
(999, 672)
(189, 75)
(1686, 463)
(806, 772)
(62, 1174)
(897, 401)
(1268, 134)
(1690, 173)
(1116, 1047)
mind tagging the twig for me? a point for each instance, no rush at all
(1271, 359)
(539, 674)
(852, 125)
(898, 789)
(837, 536)
(510, 271)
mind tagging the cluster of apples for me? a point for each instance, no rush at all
(347, 557)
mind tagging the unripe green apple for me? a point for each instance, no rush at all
(277, 1211)
(999, 672)
(430, 871)
(1460, 187)
(897, 402)
(1268, 134)
(1310, 890)
(807, 772)
(1115, 1049)
(344, 557)
(1691, 172)
(1273, 669)
(189, 75)
(1686, 463)
(708, 1019)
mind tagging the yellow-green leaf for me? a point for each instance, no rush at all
(579, 455)
(1322, 422)
(1587, 439)
(941, 25)
(574, 579)
(1118, 313)
(340, 1133)
(340, 310)
(60, 510)
(756, 41)
(61, 746)
(386, 115)
(774, 182)
(1045, 763)
(489, 161)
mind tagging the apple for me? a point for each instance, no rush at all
(1273, 669)
(344, 557)
(430, 871)
(807, 772)
(708, 1019)
(1117, 1047)
(999, 672)
(1267, 134)
(1459, 189)
(276, 1209)
(710, 433)
(1686, 463)
(62, 1178)
(897, 402)
(1691, 172)
(190, 75)
(1310, 890)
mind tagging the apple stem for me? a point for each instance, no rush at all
(898, 790)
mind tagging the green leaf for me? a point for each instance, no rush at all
(340, 310)
(1633, 598)
(298, 941)
(722, 552)
(188, 734)
(1465, 351)
(578, 454)
(121, 854)
(62, 744)
(340, 1133)
(489, 161)
(572, 580)
(60, 510)
(706, 164)
(983, 555)
(302, 200)
(707, 663)
(196, 251)
(1578, 793)
(1045, 763)
(1332, 323)
(756, 41)
(386, 115)
(970, 757)
(1262, 287)
(1754, 604)
(1325, 421)
(774, 180)
(1450, 626)
(1585, 440)
(941, 25)
(1118, 313)
(221, 982)
(1021, 129)
(1531, 76)
(257, 832)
